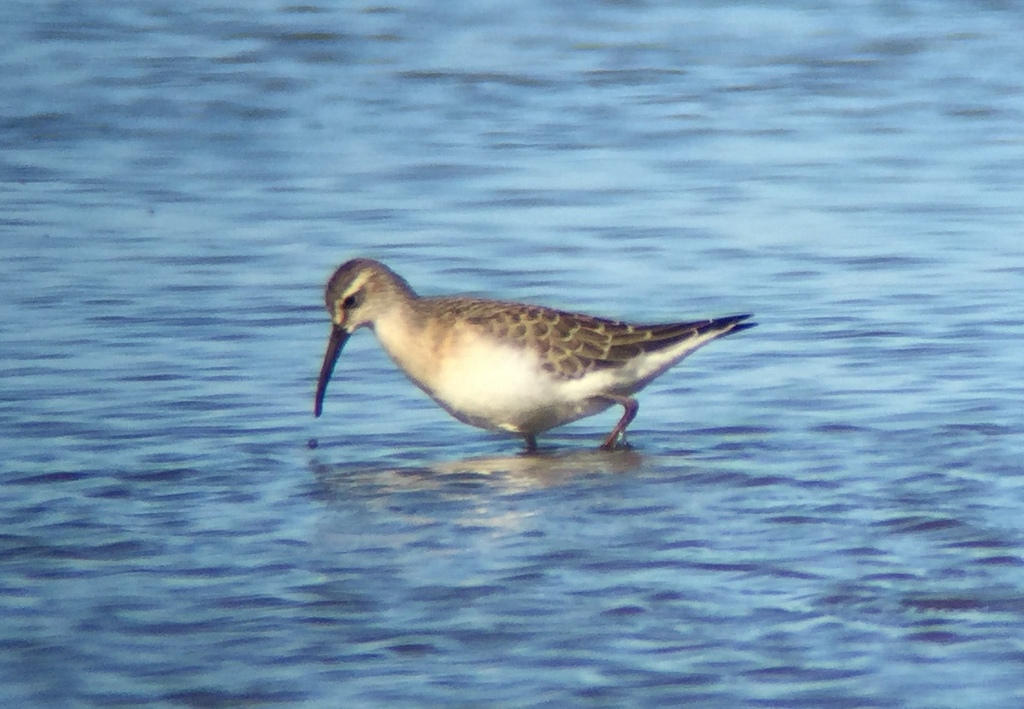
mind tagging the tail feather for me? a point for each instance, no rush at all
(731, 323)
(716, 327)
(667, 337)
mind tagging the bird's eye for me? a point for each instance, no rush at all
(351, 300)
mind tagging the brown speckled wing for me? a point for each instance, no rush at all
(573, 344)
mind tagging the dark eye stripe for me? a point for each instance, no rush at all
(352, 300)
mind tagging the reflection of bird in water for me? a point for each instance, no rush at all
(510, 471)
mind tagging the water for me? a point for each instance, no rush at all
(824, 511)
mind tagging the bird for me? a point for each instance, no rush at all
(506, 366)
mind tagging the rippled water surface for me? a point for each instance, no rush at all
(825, 511)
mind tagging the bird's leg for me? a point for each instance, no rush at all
(630, 408)
(531, 443)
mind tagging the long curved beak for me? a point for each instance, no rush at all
(339, 336)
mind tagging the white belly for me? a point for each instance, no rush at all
(504, 388)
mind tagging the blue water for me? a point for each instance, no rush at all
(825, 511)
